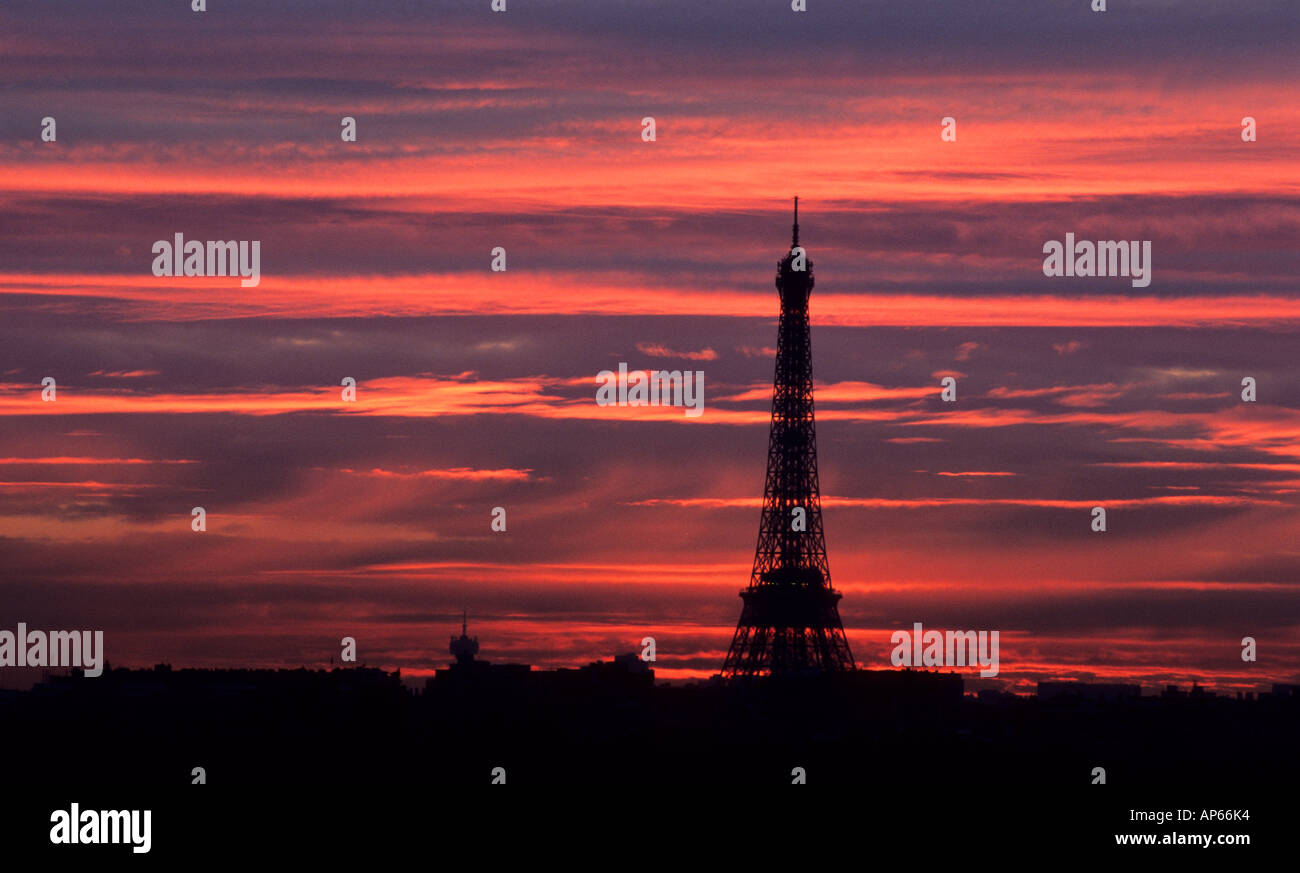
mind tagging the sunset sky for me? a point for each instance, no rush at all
(476, 389)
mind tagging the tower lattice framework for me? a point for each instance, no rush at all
(790, 621)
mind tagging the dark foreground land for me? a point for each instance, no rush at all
(610, 726)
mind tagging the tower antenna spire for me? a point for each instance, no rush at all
(796, 221)
(466, 647)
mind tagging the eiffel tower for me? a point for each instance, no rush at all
(790, 622)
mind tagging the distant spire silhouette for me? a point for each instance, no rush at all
(796, 222)
(466, 647)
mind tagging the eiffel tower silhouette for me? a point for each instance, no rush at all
(790, 622)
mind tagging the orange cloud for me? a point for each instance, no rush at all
(460, 473)
(551, 293)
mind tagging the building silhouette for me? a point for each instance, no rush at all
(790, 621)
(1088, 691)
